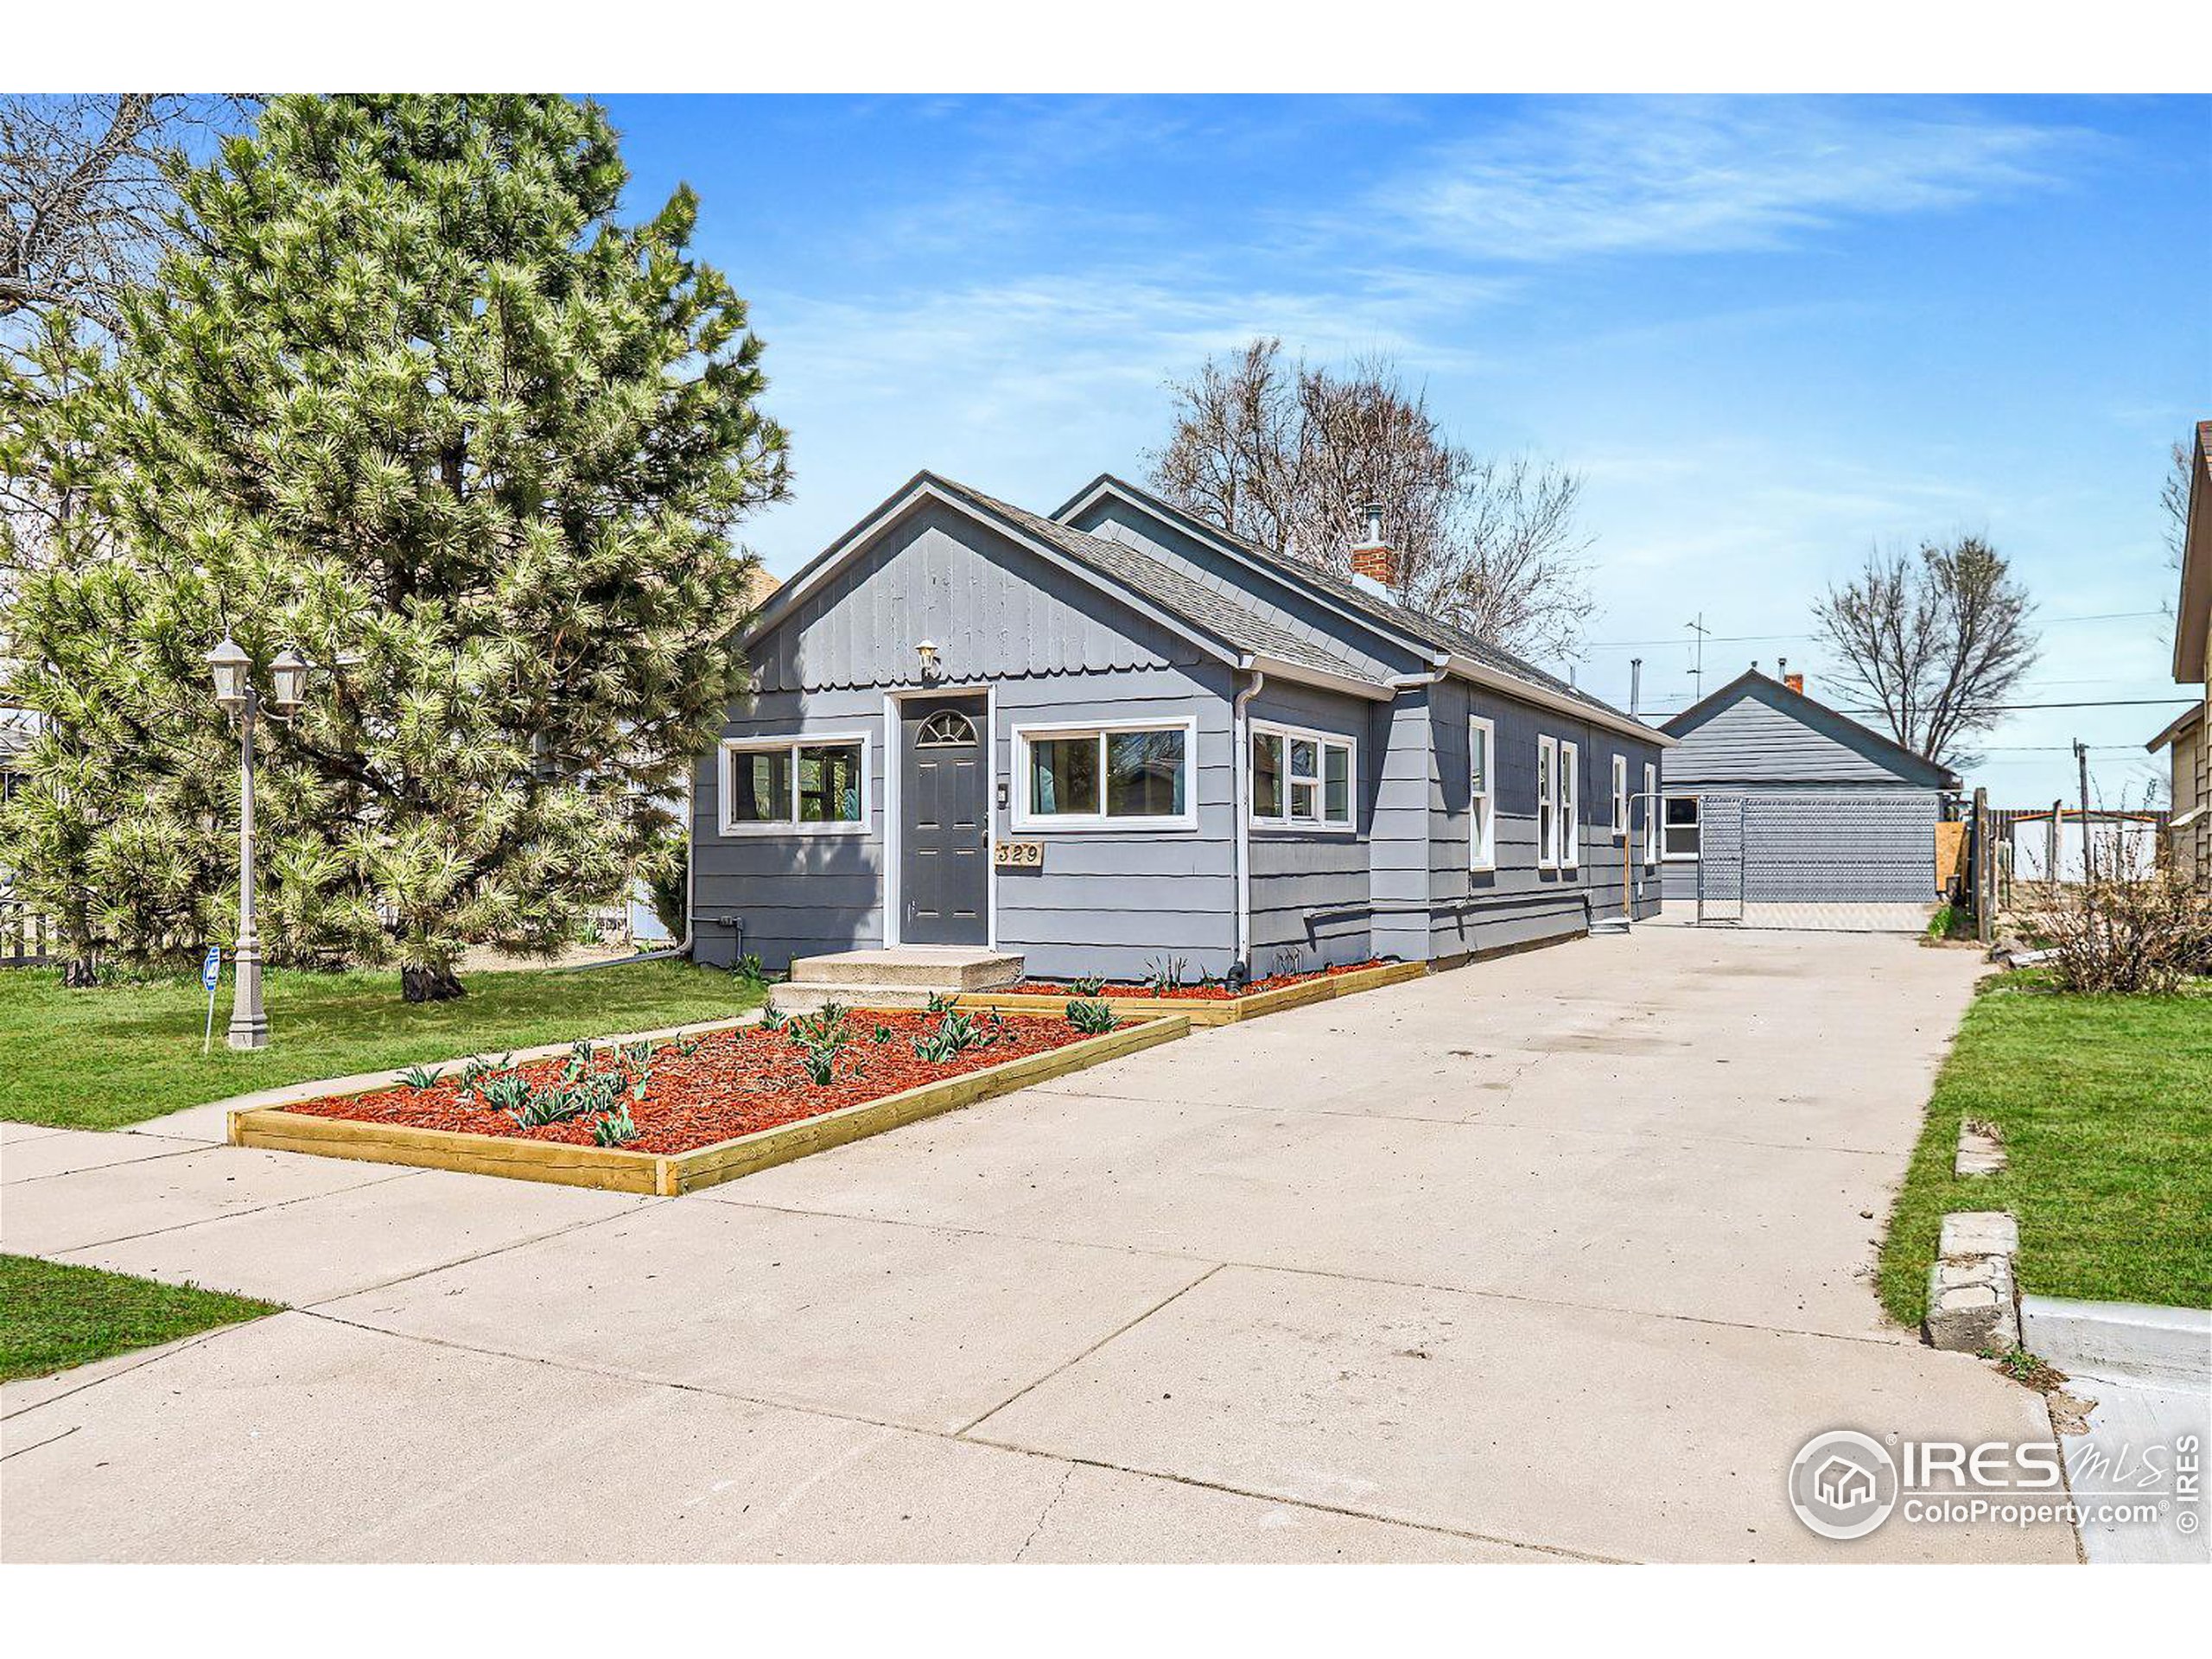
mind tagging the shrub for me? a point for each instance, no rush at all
(2138, 928)
(1093, 1019)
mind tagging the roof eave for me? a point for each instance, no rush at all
(1276, 668)
(927, 485)
(1511, 685)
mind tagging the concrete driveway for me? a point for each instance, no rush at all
(1560, 1255)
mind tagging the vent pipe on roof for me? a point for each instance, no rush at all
(1635, 685)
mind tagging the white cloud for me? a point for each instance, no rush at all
(1686, 175)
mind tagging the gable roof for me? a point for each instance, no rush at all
(2193, 611)
(1212, 620)
(1796, 703)
(1462, 653)
(2185, 722)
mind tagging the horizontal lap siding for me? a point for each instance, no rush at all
(780, 896)
(1110, 902)
(1310, 889)
(1518, 903)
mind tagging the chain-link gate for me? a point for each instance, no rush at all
(1720, 859)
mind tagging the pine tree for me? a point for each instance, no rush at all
(411, 399)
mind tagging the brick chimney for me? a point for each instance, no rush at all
(1374, 563)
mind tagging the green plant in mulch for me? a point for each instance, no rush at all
(1167, 974)
(509, 1092)
(613, 1129)
(941, 1002)
(953, 1033)
(1088, 985)
(1093, 1018)
(421, 1076)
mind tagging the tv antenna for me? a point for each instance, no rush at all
(1697, 669)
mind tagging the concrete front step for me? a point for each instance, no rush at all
(914, 967)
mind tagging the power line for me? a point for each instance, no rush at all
(2004, 707)
(1792, 639)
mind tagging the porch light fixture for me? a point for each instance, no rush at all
(927, 652)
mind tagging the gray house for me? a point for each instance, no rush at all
(1118, 735)
(1779, 811)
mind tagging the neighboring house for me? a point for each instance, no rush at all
(1118, 736)
(2190, 738)
(1782, 812)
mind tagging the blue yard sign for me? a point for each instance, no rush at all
(211, 970)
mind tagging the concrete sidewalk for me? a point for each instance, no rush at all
(1559, 1256)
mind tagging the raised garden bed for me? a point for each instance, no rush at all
(703, 1112)
(1209, 1005)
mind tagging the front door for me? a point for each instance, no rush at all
(944, 834)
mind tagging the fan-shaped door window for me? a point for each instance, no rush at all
(946, 729)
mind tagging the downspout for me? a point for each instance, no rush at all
(1240, 725)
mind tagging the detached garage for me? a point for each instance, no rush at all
(1781, 813)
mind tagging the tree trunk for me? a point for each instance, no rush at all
(429, 984)
(79, 973)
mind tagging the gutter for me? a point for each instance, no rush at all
(1526, 691)
(1240, 726)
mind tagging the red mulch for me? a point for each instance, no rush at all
(735, 1082)
(1196, 993)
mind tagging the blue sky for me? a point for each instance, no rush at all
(1771, 333)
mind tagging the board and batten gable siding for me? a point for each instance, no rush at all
(993, 608)
(1055, 651)
(1310, 895)
(1289, 608)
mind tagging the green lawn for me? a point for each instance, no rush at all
(2104, 1105)
(98, 1059)
(53, 1316)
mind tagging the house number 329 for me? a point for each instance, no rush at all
(1018, 855)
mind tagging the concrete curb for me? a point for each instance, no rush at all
(2164, 1345)
(1972, 1290)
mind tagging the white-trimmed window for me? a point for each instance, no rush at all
(1682, 829)
(795, 786)
(1129, 774)
(1482, 795)
(1620, 799)
(1570, 806)
(1651, 814)
(1302, 779)
(1547, 803)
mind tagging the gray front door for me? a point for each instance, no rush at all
(944, 829)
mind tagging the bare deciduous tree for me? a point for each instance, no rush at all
(1936, 640)
(86, 183)
(1286, 455)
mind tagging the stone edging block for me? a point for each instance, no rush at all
(1973, 1298)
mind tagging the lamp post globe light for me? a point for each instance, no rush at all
(235, 695)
